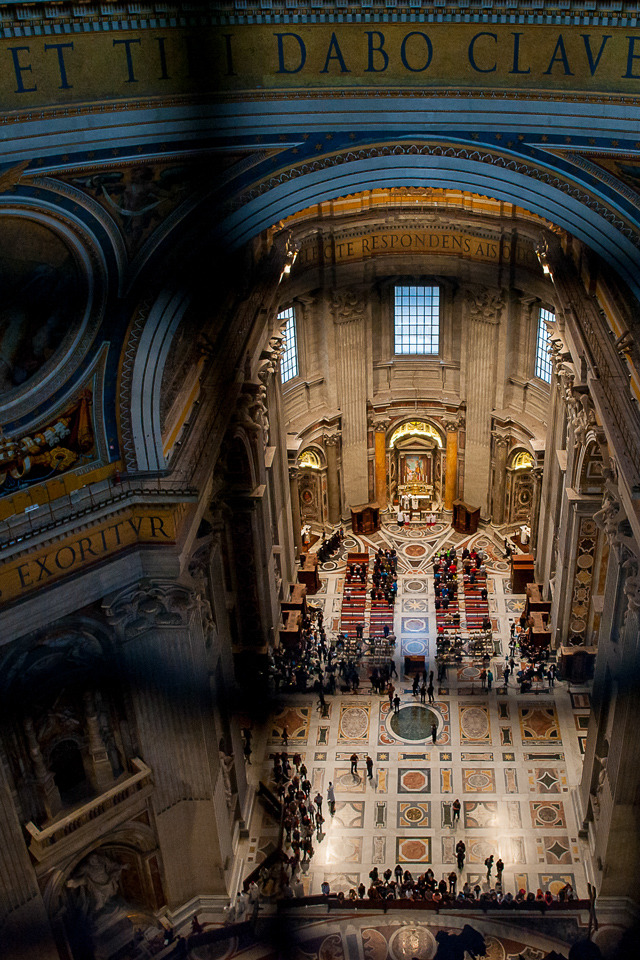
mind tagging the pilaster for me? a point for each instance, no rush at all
(160, 629)
(349, 310)
(484, 311)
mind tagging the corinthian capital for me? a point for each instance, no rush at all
(150, 604)
(347, 306)
(485, 306)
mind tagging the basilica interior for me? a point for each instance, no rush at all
(320, 448)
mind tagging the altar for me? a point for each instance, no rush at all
(415, 499)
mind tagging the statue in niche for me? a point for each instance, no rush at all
(226, 767)
(96, 879)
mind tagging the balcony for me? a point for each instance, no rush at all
(75, 830)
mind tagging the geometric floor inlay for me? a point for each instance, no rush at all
(547, 813)
(546, 780)
(476, 780)
(414, 814)
(414, 781)
(480, 813)
(539, 725)
(413, 849)
(555, 849)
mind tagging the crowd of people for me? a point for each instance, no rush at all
(400, 884)
(384, 578)
(317, 663)
(328, 546)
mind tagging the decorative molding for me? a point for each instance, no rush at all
(332, 439)
(538, 173)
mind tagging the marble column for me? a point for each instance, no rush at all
(162, 645)
(501, 446)
(331, 444)
(380, 434)
(536, 494)
(351, 374)
(294, 477)
(451, 465)
(483, 313)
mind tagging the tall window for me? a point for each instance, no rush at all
(289, 362)
(543, 360)
(417, 320)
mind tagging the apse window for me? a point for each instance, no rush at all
(289, 362)
(543, 358)
(417, 320)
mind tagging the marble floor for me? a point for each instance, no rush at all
(511, 760)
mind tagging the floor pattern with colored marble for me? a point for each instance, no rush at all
(511, 760)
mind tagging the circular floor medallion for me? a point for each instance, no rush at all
(415, 586)
(479, 781)
(415, 550)
(354, 723)
(412, 941)
(413, 722)
(475, 723)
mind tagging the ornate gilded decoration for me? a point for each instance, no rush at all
(522, 461)
(416, 428)
(309, 459)
(63, 443)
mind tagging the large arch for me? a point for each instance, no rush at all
(462, 168)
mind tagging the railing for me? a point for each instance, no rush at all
(105, 496)
(43, 840)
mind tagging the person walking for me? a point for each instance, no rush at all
(423, 693)
(434, 732)
(331, 798)
(499, 869)
(489, 679)
(396, 704)
(369, 763)
(489, 865)
(453, 879)
(354, 764)
(430, 688)
(456, 811)
(285, 736)
(318, 802)
(461, 850)
(416, 684)
(483, 679)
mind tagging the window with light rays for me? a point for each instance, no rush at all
(289, 361)
(416, 319)
(543, 358)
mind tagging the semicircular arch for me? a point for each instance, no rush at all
(564, 203)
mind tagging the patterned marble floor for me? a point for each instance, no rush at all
(511, 760)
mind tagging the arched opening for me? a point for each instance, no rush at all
(68, 772)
